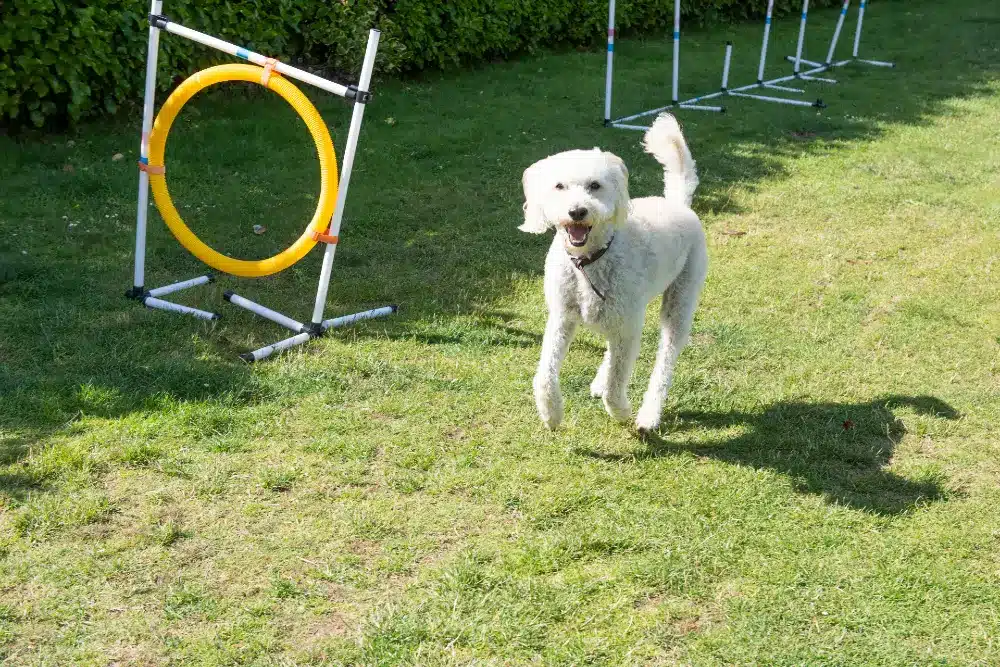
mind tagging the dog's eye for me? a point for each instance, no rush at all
(560, 186)
(594, 185)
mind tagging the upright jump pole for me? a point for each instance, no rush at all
(610, 66)
(346, 168)
(857, 40)
(857, 31)
(677, 49)
(152, 53)
(763, 46)
(725, 66)
(802, 37)
(836, 33)
(151, 298)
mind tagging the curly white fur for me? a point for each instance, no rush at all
(657, 247)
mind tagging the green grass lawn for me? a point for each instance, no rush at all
(824, 489)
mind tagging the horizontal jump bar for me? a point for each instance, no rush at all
(256, 58)
(782, 100)
(626, 126)
(877, 63)
(702, 107)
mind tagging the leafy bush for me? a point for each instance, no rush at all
(62, 60)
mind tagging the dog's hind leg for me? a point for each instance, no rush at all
(559, 332)
(676, 316)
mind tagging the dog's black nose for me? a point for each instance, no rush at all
(578, 213)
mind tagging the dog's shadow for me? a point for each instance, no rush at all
(838, 450)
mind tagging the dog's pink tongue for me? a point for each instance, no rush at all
(578, 232)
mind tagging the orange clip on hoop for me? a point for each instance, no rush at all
(269, 66)
(325, 238)
(152, 168)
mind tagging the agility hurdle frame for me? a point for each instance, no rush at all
(797, 59)
(814, 68)
(360, 94)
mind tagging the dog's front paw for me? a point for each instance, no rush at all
(549, 402)
(551, 412)
(597, 387)
(648, 419)
(619, 409)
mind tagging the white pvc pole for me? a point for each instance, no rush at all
(255, 58)
(142, 208)
(677, 48)
(763, 46)
(358, 317)
(857, 33)
(684, 105)
(802, 35)
(774, 86)
(268, 350)
(644, 113)
(778, 100)
(611, 58)
(878, 63)
(627, 126)
(264, 312)
(364, 82)
(725, 65)
(177, 287)
(836, 32)
(694, 100)
(810, 63)
(159, 304)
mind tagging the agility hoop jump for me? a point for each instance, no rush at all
(326, 222)
(760, 86)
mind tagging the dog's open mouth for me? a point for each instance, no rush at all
(577, 233)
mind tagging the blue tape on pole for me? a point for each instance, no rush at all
(767, 21)
(144, 160)
(843, 12)
(243, 53)
(677, 34)
(611, 47)
(803, 16)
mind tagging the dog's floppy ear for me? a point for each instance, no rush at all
(621, 189)
(534, 215)
(620, 163)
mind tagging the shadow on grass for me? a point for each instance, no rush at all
(122, 364)
(838, 450)
(19, 486)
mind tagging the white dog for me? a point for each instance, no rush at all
(610, 257)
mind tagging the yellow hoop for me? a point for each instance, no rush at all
(324, 148)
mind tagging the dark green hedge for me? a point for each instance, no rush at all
(61, 61)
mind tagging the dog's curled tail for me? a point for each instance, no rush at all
(665, 142)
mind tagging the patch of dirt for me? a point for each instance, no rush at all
(648, 603)
(454, 433)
